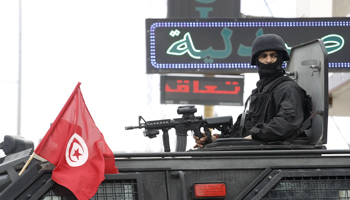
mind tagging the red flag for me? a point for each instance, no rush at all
(77, 148)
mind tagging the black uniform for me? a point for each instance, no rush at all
(278, 106)
(274, 114)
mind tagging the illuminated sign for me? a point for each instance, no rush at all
(202, 90)
(223, 46)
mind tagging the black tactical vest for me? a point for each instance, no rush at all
(257, 106)
(260, 108)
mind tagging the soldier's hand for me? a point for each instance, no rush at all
(248, 137)
(200, 142)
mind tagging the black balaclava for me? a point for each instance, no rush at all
(269, 72)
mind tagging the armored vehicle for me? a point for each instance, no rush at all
(233, 168)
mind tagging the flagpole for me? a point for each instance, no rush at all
(27, 163)
(19, 70)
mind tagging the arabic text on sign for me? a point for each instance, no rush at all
(184, 87)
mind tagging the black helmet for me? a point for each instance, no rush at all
(268, 42)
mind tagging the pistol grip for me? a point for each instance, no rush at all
(208, 134)
(198, 133)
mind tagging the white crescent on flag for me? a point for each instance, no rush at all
(77, 152)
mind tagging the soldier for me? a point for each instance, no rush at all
(275, 109)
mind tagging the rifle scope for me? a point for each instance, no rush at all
(186, 110)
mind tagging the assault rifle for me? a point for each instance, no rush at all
(188, 122)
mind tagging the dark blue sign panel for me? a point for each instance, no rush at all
(223, 46)
(202, 90)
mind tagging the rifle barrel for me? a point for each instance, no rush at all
(132, 127)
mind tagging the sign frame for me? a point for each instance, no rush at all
(294, 31)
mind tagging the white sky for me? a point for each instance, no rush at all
(101, 44)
